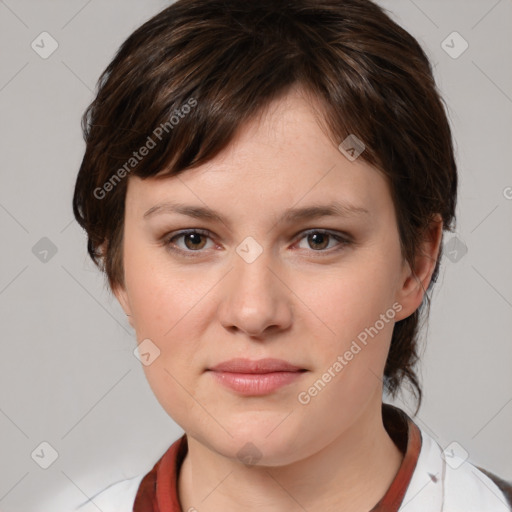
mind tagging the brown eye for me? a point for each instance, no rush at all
(318, 240)
(193, 241)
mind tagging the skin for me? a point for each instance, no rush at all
(304, 300)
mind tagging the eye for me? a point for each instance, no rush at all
(194, 241)
(318, 240)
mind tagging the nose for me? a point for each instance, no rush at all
(255, 299)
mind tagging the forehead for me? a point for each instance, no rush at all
(281, 159)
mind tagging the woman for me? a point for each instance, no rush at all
(266, 185)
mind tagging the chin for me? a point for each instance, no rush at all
(253, 445)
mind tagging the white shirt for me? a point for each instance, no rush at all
(439, 483)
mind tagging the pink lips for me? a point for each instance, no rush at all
(256, 377)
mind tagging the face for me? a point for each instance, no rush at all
(256, 281)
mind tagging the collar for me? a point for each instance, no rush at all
(158, 490)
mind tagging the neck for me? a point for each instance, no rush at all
(352, 473)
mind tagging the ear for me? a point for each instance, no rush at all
(122, 296)
(415, 281)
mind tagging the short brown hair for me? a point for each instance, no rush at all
(232, 58)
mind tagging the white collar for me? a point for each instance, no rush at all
(456, 486)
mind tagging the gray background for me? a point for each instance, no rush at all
(68, 375)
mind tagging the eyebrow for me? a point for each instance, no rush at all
(333, 209)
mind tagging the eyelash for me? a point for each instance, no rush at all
(168, 241)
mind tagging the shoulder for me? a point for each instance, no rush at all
(505, 487)
(447, 480)
(117, 497)
(474, 488)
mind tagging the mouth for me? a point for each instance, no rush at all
(256, 378)
(268, 365)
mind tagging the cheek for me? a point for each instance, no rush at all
(160, 293)
(352, 345)
(163, 303)
(350, 315)
(345, 301)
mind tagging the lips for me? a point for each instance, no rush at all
(256, 378)
(268, 365)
